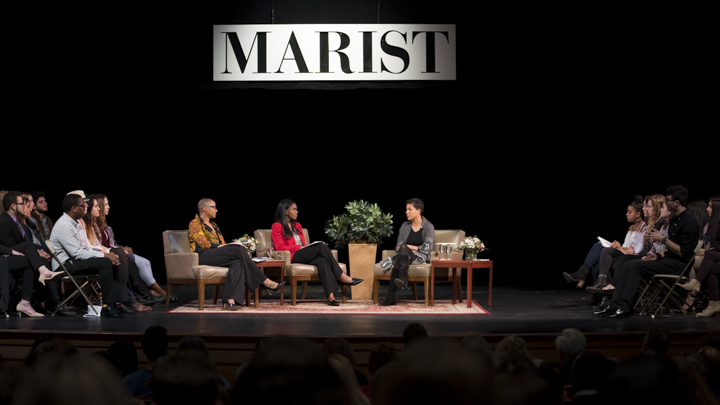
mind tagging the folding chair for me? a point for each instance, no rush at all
(88, 284)
(663, 285)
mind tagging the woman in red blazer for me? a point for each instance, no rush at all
(287, 234)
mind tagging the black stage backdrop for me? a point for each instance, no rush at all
(559, 117)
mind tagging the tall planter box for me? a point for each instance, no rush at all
(361, 264)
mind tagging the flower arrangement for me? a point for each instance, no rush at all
(472, 244)
(249, 242)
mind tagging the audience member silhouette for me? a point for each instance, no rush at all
(154, 346)
(341, 346)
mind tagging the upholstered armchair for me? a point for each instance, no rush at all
(294, 272)
(181, 267)
(421, 272)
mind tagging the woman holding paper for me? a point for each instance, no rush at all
(208, 242)
(601, 256)
(287, 234)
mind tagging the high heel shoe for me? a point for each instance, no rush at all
(712, 308)
(27, 309)
(53, 274)
(692, 285)
(227, 306)
(272, 290)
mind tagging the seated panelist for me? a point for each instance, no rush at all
(208, 242)
(287, 234)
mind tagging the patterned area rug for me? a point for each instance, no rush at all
(358, 307)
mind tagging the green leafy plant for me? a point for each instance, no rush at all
(362, 223)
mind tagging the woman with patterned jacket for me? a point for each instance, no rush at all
(207, 240)
(416, 239)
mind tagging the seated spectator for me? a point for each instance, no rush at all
(477, 344)
(432, 372)
(569, 344)
(72, 248)
(657, 340)
(289, 370)
(589, 371)
(346, 371)
(40, 223)
(414, 332)
(190, 380)
(23, 256)
(380, 355)
(646, 379)
(194, 346)
(513, 346)
(342, 346)
(154, 346)
(151, 292)
(126, 353)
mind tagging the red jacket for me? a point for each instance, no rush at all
(282, 243)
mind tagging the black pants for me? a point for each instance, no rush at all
(135, 284)
(113, 279)
(320, 256)
(27, 266)
(400, 267)
(628, 281)
(242, 270)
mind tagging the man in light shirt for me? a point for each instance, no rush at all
(73, 250)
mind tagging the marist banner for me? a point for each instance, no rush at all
(329, 52)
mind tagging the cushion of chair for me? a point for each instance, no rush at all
(298, 269)
(205, 271)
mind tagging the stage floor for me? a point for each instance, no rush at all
(519, 310)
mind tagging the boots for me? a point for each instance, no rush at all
(402, 282)
(578, 277)
(692, 285)
(389, 298)
(712, 308)
(599, 284)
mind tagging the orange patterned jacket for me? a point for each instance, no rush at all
(202, 237)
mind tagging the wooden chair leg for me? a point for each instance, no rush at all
(414, 289)
(201, 294)
(344, 294)
(293, 292)
(376, 290)
(215, 294)
(168, 292)
(304, 289)
(427, 292)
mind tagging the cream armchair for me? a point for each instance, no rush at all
(294, 272)
(181, 267)
(421, 272)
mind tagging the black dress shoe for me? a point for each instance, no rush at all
(355, 281)
(618, 314)
(387, 303)
(604, 310)
(333, 303)
(111, 311)
(123, 309)
(151, 299)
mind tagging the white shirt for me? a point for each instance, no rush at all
(70, 242)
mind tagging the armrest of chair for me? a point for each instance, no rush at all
(283, 255)
(335, 254)
(387, 253)
(180, 265)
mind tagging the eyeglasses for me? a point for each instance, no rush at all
(20, 203)
(669, 200)
(211, 206)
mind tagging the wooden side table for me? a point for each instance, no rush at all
(453, 265)
(270, 263)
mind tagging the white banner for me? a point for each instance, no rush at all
(314, 52)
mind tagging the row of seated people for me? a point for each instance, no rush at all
(663, 234)
(416, 238)
(426, 370)
(83, 242)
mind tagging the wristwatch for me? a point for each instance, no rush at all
(663, 240)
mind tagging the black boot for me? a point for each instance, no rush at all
(578, 277)
(599, 284)
(389, 298)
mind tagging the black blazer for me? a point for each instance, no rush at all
(9, 232)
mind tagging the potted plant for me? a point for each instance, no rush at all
(362, 228)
